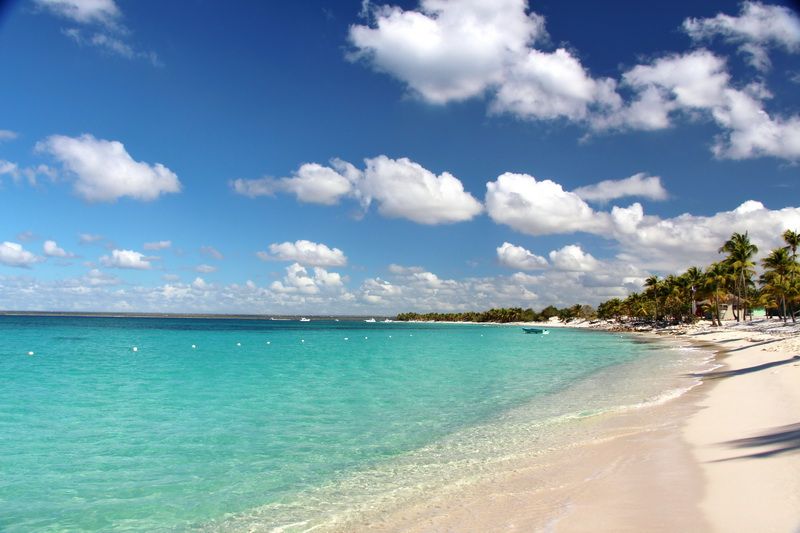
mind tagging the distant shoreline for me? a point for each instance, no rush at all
(110, 314)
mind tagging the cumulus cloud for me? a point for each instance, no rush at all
(639, 184)
(13, 254)
(519, 258)
(447, 51)
(312, 183)
(298, 280)
(157, 245)
(105, 172)
(400, 188)
(538, 207)
(428, 50)
(51, 249)
(698, 82)
(553, 85)
(405, 189)
(757, 28)
(572, 258)
(126, 259)
(305, 252)
(199, 283)
(212, 252)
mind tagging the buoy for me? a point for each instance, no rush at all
(135, 349)
(302, 340)
(365, 338)
(30, 353)
(238, 344)
(347, 338)
(390, 336)
(269, 342)
(193, 346)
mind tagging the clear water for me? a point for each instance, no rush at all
(269, 423)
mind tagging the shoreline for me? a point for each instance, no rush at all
(723, 456)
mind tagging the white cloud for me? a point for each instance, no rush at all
(676, 243)
(519, 258)
(447, 51)
(31, 174)
(126, 259)
(212, 252)
(96, 277)
(698, 82)
(401, 188)
(546, 85)
(51, 249)
(573, 259)
(83, 11)
(757, 28)
(306, 253)
(312, 183)
(299, 281)
(405, 189)
(400, 269)
(13, 254)
(105, 172)
(157, 245)
(637, 185)
(205, 269)
(8, 135)
(199, 284)
(538, 207)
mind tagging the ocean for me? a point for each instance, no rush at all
(188, 424)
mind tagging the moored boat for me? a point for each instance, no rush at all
(539, 331)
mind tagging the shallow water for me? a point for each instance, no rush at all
(266, 424)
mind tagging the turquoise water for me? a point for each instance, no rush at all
(261, 418)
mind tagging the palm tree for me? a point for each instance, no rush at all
(716, 283)
(693, 278)
(777, 268)
(792, 239)
(653, 285)
(740, 253)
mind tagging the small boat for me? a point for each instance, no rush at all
(304, 319)
(387, 320)
(370, 320)
(539, 331)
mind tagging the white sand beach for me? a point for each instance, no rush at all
(724, 457)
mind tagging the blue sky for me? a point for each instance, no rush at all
(372, 158)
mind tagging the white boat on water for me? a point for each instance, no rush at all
(370, 320)
(387, 320)
(304, 319)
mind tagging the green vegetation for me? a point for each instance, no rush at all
(503, 315)
(680, 298)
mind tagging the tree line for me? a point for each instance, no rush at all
(506, 314)
(680, 298)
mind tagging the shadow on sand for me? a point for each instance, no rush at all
(730, 373)
(783, 439)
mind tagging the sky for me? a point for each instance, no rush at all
(359, 157)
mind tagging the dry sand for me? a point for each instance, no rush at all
(725, 457)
